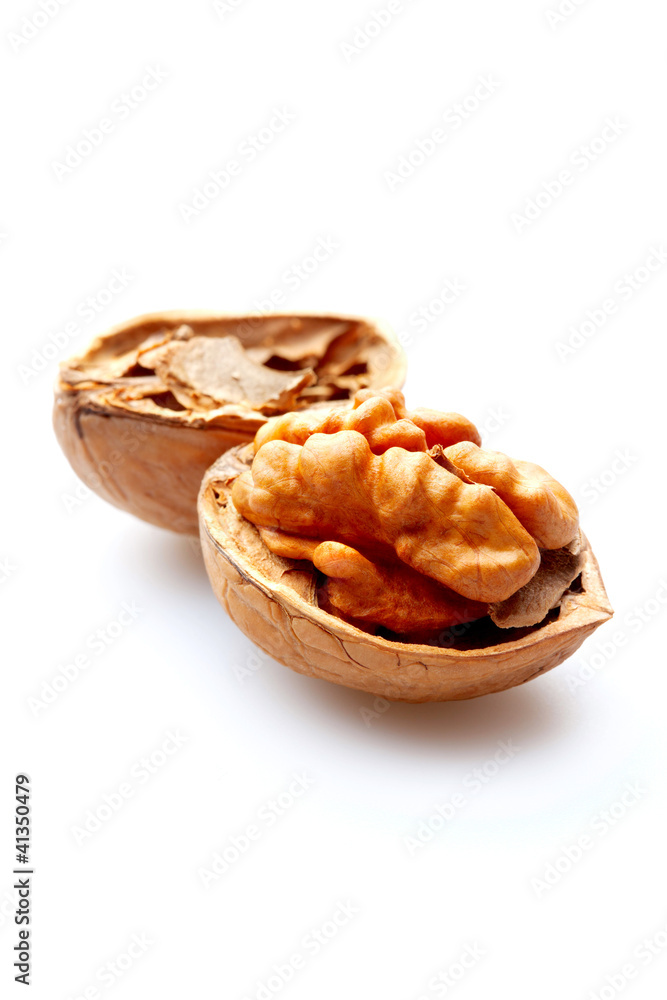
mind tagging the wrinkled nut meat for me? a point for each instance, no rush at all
(145, 411)
(384, 549)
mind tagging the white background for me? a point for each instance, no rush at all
(592, 415)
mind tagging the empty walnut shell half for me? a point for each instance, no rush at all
(153, 402)
(274, 601)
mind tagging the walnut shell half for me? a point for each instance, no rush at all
(153, 402)
(273, 600)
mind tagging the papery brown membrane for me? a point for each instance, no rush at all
(152, 403)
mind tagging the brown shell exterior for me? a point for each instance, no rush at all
(152, 466)
(293, 630)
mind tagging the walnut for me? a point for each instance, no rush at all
(381, 417)
(542, 505)
(334, 488)
(151, 404)
(383, 549)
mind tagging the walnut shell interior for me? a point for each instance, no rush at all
(153, 402)
(274, 601)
